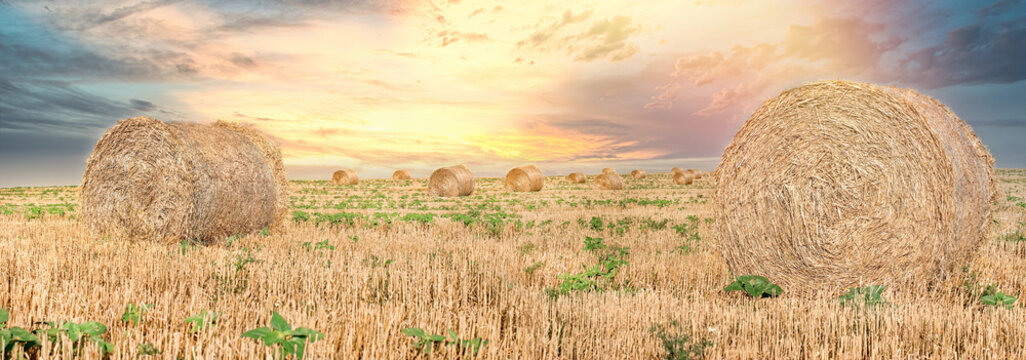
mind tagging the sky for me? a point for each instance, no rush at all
(567, 85)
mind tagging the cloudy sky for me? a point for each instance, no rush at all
(568, 85)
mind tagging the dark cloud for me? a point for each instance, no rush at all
(142, 105)
(53, 106)
(997, 8)
(973, 54)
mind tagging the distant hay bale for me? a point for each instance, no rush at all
(167, 182)
(608, 170)
(577, 178)
(639, 174)
(676, 170)
(451, 181)
(401, 175)
(697, 173)
(525, 178)
(345, 177)
(684, 178)
(838, 184)
(608, 181)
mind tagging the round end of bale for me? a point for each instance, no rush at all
(577, 178)
(401, 175)
(608, 170)
(525, 178)
(676, 170)
(880, 186)
(345, 177)
(609, 182)
(451, 181)
(639, 174)
(147, 179)
(683, 178)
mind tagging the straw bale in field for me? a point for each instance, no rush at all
(607, 181)
(608, 170)
(525, 178)
(345, 177)
(401, 175)
(577, 178)
(684, 178)
(639, 174)
(451, 181)
(838, 184)
(174, 181)
(676, 170)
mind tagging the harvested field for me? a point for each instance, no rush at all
(361, 263)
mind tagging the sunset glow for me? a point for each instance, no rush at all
(421, 84)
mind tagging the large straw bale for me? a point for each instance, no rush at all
(607, 181)
(401, 175)
(147, 179)
(676, 170)
(345, 177)
(838, 184)
(577, 178)
(451, 181)
(525, 178)
(639, 174)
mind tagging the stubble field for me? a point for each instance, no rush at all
(525, 272)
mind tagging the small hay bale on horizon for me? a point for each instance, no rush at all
(577, 178)
(608, 170)
(147, 179)
(639, 174)
(451, 181)
(345, 177)
(676, 170)
(526, 178)
(401, 175)
(608, 181)
(881, 186)
(685, 178)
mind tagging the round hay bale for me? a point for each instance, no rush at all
(345, 177)
(608, 170)
(685, 178)
(639, 174)
(577, 178)
(167, 182)
(525, 178)
(608, 181)
(451, 181)
(697, 173)
(401, 175)
(838, 184)
(676, 170)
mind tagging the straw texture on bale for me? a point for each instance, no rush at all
(525, 178)
(608, 171)
(147, 179)
(577, 178)
(684, 178)
(608, 181)
(676, 170)
(401, 175)
(839, 184)
(451, 181)
(345, 177)
(639, 174)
